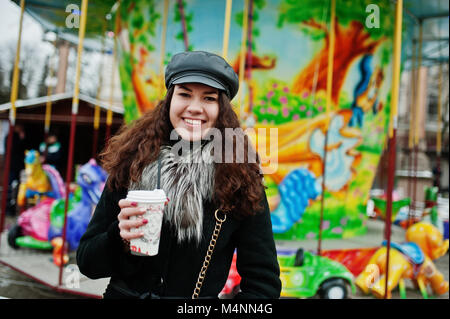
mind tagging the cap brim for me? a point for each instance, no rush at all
(199, 79)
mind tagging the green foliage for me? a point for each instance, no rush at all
(129, 99)
(239, 18)
(167, 58)
(297, 12)
(259, 4)
(137, 21)
(385, 56)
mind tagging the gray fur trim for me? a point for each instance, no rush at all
(187, 180)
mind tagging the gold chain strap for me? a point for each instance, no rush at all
(212, 244)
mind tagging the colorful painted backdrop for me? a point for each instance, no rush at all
(286, 89)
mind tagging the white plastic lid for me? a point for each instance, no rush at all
(156, 195)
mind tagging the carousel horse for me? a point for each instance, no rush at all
(42, 180)
(91, 179)
(412, 259)
(45, 183)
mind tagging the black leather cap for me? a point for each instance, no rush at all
(202, 67)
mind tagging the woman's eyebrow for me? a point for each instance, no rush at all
(205, 92)
(185, 88)
(211, 92)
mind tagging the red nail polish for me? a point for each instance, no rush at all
(145, 221)
(134, 204)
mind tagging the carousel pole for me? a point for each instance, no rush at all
(226, 29)
(439, 120)
(73, 122)
(96, 123)
(393, 131)
(249, 58)
(48, 106)
(111, 95)
(417, 122)
(109, 113)
(163, 48)
(97, 106)
(412, 121)
(242, 57)
(12, 122)
(332, 33)
(439, 129)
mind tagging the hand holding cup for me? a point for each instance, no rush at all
(128, 209)
(140, 220)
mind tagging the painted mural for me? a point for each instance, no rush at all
(285, 88)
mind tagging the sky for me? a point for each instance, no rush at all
(32, 36)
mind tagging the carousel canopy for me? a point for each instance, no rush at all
(433, 14)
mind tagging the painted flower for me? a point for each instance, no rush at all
(270, 94)
(305, 95)
(285, 111)
(275, 85)
(325, 224)
(283, 100)
(309, 113)
(303, 107)
(337, 230)
(262, 110)
(310, 235)
(286, 89)
(295, 117)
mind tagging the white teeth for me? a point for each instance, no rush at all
(193, 122)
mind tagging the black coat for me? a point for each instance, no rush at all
(174, 271)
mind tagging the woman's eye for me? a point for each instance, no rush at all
(183, 94)
(210, 99)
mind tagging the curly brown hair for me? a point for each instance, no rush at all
(238, 187)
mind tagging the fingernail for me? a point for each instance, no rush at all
(142, 209)
(134, 204)
(144, 221)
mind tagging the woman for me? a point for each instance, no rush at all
(198, 182)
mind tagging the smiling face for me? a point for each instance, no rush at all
(193, 110)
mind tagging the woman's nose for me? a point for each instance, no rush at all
(195, 106)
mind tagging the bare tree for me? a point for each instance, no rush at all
(30, 69)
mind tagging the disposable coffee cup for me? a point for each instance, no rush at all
(153, 202)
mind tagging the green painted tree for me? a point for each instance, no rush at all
(360, 27)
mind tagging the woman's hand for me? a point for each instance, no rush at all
(128, 209)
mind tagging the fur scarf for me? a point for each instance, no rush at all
(188, 180)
